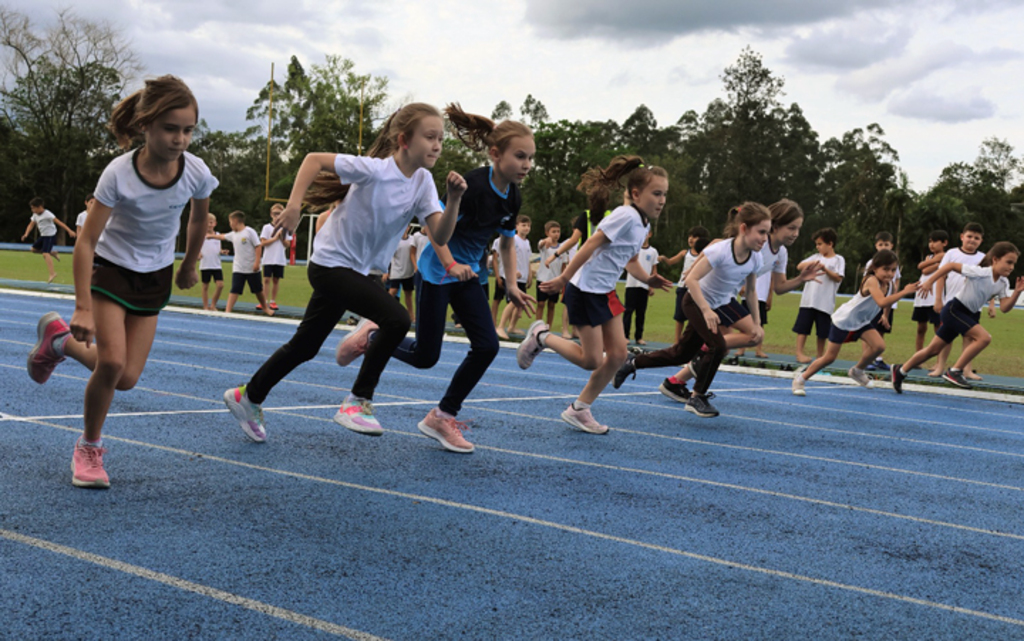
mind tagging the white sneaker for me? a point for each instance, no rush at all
(860, 376)
(354, 345)
(248, 414)
(530, 347)
(583, 420)
(798, 385)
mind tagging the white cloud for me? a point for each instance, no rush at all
(848, 45)
(926, 105)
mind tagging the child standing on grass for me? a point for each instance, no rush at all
(47, 223)
(696, 239)
(524, 276)
(818, 300)
(950, 284)
(860, 318)
(549, 269)
(124, 261)
(210, 266)
(711, 309)
(245, 268)
(274, 242)
(924, 300)
(402, 272)
(80, 221)
(987, 281)
(637, 291)
(590, 279)
(448, 271)
(380, 194)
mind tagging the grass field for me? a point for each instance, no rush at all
(1004, 357)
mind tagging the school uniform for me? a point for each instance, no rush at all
(80, 220)
(591, 299)
(400, 274)
(856, 316)
(963, 312)
(892, 315)
(955, 281)
(773, 262)
(134, 257)
(209, 261)
(47, 231)
(638, 292)
(818, 300)
(523, 255)
(499, 271)
(546, 273)
(924, 303)
(688, 260)
(274, 259)
(243, 267)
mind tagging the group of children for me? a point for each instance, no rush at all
(124, 271)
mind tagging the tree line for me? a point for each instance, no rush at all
(63, 79)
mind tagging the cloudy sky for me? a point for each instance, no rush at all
(939, 76)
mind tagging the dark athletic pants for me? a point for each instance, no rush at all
(335, 291)
(469, 302)
(636, 301)
(694, 337)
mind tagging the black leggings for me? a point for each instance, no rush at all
(335, 291)
(694, 337)
(636, 301)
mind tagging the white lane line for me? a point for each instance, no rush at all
(501, 514)
(189, 586)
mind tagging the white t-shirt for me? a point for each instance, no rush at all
(401, 262)
(80, 221)
(44, 222)
(822, 296)
(896, 277)
(420, 241)
(688, 260)
(648, 259)
(209, 255)
(955, 281)
(145, 220)
(772, 263)
(979, 287)
(499, 272)
(626, 233)
(727, 276)
(857, 312)
(545, 274)
(274, 253)
(523, 255)
(364, 230)
(924, 298)
(245, 243)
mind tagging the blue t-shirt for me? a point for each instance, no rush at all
(483, 211)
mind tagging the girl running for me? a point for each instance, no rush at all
(491, 203)
(124, 259)
(593, 304)
(859, 318)
(960, 315)
(711, 308)
(379, 195)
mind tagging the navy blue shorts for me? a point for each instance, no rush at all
(809, 317)
(407, 284)
(499, 289)
(761, 307)
(273, 271)
(591, 310)
(238, 281)
(44, 244)
(926, 314)
(543, 296)
(836, 335)
(731, 313)
(679, 316)
(216, 275)
(957, 320)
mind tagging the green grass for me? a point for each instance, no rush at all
(1004, 357)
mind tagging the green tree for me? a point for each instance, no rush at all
(502, 111)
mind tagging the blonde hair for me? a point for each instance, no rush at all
(326, 189)
(481, 134)
(141, 108)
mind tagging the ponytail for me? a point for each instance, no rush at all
(480, 133)
(749, 214)
(598, 183)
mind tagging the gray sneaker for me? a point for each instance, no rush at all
(700, 406)
(860, 376)
(956, 377)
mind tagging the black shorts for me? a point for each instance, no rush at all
(141, 294)
(591, 310)
(273, 271)
(761, 307)
(840, 336)
(731, 313)
(809, 317)
(44, 244)
(957, 320)
(405, 283)
(499, 289)
(678, 316)
(238, 281)
(881, 328)
(216, 275)
(926, 314)
(543, 296)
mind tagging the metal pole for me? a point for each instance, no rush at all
(270, 131)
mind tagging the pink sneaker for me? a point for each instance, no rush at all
(447, 432)
(87, 467)
(357, 415)
(583, 420)
(531, 347)
(44, 358)
(354, 345)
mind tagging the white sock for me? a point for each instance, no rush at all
(579, 405)
(443, 414)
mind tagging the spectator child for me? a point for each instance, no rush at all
(818, 300)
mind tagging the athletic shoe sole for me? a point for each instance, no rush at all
(346, 421)
(434, 434)
(669, 393)
(571, 420)
(692, 409)
(99, 485)
(240, 415)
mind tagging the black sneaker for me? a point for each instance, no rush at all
(956, 377)
(700, 406)
(675, 391)
(897, 377)
(627, 368)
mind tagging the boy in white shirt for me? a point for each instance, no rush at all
(274, 245)
(524, 275)
(547, 247)
(947, 288)
(47, 224)
(210, 266)
(245, 268)
(402, 272)
(637, 291)
(80, 221)
(818, 300)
